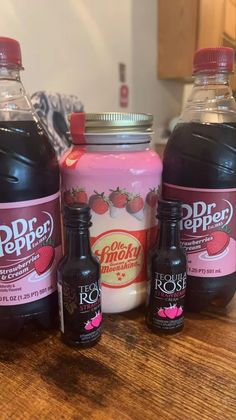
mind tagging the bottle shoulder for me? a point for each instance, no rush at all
(211, 100)
(168, 256)
(203, 155)
(84, 266)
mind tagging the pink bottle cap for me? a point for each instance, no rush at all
(220, 59)
(10, 52)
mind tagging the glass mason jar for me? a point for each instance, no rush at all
(111, 167)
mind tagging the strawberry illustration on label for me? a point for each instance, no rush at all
(152, 197)
(218, 243)
(97, 319)
(68, 197)
(171, 312)
(99, 203)
(88, 326)
(135, 206)
(80, 196)
(161, 313)
(46, 256)
(118, 199)
(180, 311)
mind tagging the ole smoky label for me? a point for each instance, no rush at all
(30, 246)
(122, 255)
(208, 229)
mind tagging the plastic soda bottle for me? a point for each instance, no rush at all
(200, 170)
(30, 242)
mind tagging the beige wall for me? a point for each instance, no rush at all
(74, 46)
(161, 98)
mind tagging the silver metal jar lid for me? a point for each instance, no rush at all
(104, 122)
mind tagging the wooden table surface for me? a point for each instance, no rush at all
(130, 374)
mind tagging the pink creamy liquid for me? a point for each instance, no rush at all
(124, 222)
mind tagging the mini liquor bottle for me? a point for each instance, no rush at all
(79, 289)
(167, 272)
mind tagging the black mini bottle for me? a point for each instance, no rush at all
(167, 273)
(79, 281)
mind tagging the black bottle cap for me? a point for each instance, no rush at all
(169, 210)
(77, 215)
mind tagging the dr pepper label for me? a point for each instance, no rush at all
(208, 229)
(30, 247)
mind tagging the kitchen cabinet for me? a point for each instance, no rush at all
(177, 27)
(230, 21)
(186, 25)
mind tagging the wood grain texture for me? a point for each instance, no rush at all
(210, 23)
(230, 21)
(177, 37)
(130, 374)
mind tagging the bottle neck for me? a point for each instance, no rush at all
(14, 103)
(211, 100)
(10, 73)
(211, 80)
(77, 242)
(169, 234)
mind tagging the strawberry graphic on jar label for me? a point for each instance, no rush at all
(75, 195)
(99, 203)
(80, 196)
(68, 197)
(152, 197)
(118, 199)
(135, 206)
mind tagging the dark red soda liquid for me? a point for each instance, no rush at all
(203, 156)
(28, 170)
